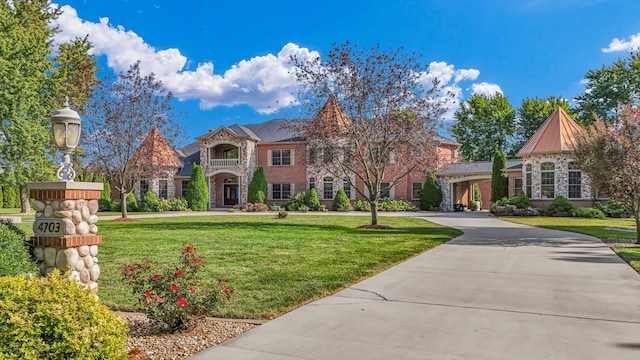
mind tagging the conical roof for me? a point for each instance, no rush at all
(557, 134)
(156, 151)
(331, 116)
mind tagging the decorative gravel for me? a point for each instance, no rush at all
(146, 342)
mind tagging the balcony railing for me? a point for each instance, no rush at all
(224, 163)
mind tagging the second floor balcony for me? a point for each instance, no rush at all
(224, 163)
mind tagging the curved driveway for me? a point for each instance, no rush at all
(500, 291)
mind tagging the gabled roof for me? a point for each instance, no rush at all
(238, 131)
(156, 151)
(557, 134)
(331, 116)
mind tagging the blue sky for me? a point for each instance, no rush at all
(227, 61)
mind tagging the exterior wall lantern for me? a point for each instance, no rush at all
(65, 130)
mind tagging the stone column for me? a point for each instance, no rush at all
(65, 229)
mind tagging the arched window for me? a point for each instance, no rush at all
(327, 192)
(528, 180)
(575, 181)
(547, 180)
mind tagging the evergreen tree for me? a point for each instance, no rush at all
(197, 191)
(258, 187)
(132, 203)
(10, 197)
(499, 179)
(340, 202)
(431, 194)
(312, 200)
(149, 202)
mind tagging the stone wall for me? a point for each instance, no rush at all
(561, 179)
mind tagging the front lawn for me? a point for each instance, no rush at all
(274, 265)
(600, 228)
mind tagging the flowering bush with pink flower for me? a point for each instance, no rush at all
(171, 295)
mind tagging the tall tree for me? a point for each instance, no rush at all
(383, 127)
(499, 179)
(609, 155)
(197, 191)
(608, 89)
(122, 113)
(258, 187)
(484, 124)
(532, 113)
(34, 78)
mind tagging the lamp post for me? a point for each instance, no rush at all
(65, 130)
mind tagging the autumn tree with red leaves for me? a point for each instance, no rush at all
(122, 113)
(384, 125)
(608, 153)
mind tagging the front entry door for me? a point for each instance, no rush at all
(230, 194)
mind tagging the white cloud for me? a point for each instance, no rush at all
(485, 88)
(265, 83)
(623, 44)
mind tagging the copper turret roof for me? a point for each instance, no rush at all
(557, 134)
(331, 116)
(157, 151)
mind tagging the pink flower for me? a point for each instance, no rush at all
(174, 287)
(149, 294)
(178, 274)
(158, 299)
(192, 289)
(182, 302)
(189, 248)
(132, 268)
(196, 260)
(155, 277)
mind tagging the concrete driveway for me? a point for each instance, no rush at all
(500, 291)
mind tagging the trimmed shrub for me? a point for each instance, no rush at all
(257, 207)
(499, 179)
(10, 197)
(54, 318)
(303, 208)
(163, 205)
(104, 205)
(258, 188)
(312, 201)
(149, 202)
(395, 205)
(560, 207)
(477, 194)
(341, 202)
(520, 200)
(116, 206)
(512, 210)
(178, 204)
(613, 209)
(14, 255)
(197, 192)
(282, 213)
(588, 212)
(362, 205)
(132, 203)
(431, 194)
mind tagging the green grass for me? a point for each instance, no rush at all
(630, 255)
(593, 227)
(274, 265)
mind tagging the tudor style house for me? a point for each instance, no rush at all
(545, 171)
(229, 156)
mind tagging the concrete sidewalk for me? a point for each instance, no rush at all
(500, 291)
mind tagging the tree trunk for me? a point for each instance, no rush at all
(374, 213)
(123, 201)
(637, 228)
(25, 206)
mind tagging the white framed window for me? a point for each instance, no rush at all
(346, 186)
(385, 190)
(327, 188)
(280, 191)
(416, 188)
(517, 186)
(528, 180)
(548, 180)
(282, 157)
(575, 181)
(144, 187)
(163, 189)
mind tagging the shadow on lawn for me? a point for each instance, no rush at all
(285, 227)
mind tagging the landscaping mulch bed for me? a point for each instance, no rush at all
(615, 242)
(147, 343)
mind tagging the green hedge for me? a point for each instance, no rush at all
(14, 256)
(54, 318)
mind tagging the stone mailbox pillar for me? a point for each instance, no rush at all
(65, 228)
